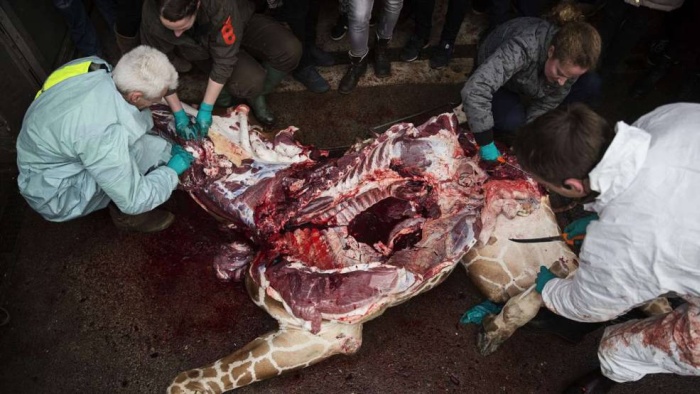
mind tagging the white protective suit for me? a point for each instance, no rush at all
(646, 244)
(82, 145)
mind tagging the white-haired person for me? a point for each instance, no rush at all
(84, 143)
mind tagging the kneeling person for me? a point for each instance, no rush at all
(643, 182)
(84, 142)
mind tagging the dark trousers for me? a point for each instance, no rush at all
(265, 41)
(622, 27)
(423, 16)
(500, 10)
(302, 17)
(509, 112)
(128, 17)
(82, 31)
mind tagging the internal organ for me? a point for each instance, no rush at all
(339, 239)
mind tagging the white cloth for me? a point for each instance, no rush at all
(662, 5)
(82, 145)
(646, 243)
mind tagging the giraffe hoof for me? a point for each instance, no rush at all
(488, 342)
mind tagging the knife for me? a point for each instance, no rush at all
(576, 239)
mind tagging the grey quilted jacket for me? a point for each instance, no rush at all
(513, 55)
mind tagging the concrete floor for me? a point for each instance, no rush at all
(97, 310)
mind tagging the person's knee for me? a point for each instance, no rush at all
(510, 122)
(508, 112)
(588, 89)
(392, 6)
(359, 15)
(287, 57)
(248, 84)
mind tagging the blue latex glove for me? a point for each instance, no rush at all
(578, 226)
(184, 128)
(204, 119)
(476, 314)
(489, 152)
(544, 276)
(181, 159)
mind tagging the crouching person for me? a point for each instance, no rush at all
(84, 142)
(643, 182)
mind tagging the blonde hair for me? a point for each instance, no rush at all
(145, 69)
(576, 42)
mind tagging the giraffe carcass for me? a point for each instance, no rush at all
(334, 242)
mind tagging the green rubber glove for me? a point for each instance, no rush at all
(180, 160)
(578, 226)
(184, 128)
(544, 276)
(204, 119)
(476, 314)
(489, 152)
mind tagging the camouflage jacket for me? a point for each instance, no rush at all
(216, 34)
(513, 55)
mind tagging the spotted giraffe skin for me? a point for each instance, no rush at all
(289, 348)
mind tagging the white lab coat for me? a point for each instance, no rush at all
(646, 244)
(82, 145)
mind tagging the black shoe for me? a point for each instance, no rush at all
(411, 51)
(646, 83)
(382, 64)
(320, 57)
(442, 55)
(357, 68)
(340, 28)
(147, 222)
(313, 81)
(591, 383)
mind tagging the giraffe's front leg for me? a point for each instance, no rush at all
(517, 311)
(272, 354)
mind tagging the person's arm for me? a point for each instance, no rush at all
(491, 75)
(593, 294)
(212, 91)
(106, 157)
(174, 102)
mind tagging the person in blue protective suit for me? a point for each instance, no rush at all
(643, 182)
(84, 142)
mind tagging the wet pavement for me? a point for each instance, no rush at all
(97, 310)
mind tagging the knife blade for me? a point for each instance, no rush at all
(561, 237)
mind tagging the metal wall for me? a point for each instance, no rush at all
(32, 41)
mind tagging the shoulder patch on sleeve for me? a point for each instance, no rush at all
(227, 32)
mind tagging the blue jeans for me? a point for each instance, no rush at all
(81, 29)
(358, 23)
(509, 112)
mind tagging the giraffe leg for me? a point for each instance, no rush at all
(517, 311)
(272, 354)
(657, 306)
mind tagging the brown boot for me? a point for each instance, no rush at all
(147, 222)
(124, 43)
